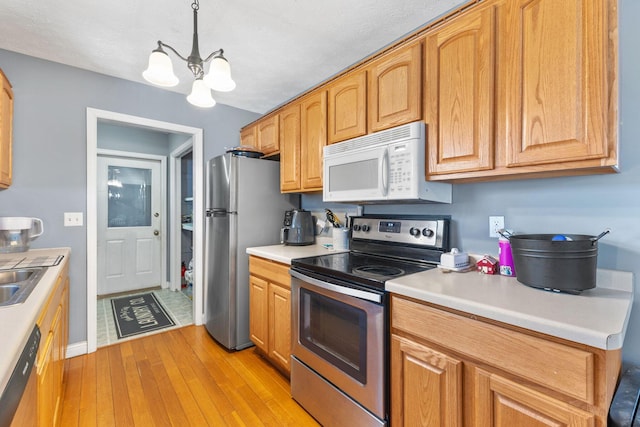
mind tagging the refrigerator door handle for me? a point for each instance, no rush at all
(216, 212)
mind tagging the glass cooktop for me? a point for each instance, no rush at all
(364, 269)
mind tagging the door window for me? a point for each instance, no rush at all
(129, 197)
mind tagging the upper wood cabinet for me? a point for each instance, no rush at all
(6, 131)
(347, 106)
(549, 110)
(553, 72)
(249, 137)
(507, 88)
(313, 139)
(395, 95)
(267, 134)
(303, 134)
(290, 148)
(385, 93)
(459, 88)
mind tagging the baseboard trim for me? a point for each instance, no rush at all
(77, 349)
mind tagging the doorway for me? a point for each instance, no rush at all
(131, 207)
(195, 145)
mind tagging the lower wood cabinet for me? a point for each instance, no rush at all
(454, 369)
(426, 385)
(51, 365)
(270, 310)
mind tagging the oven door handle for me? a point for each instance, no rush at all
(369, 296)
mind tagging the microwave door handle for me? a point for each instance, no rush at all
(384, 172)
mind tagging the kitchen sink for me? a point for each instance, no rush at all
(7, 291)
(14, 276)
(16, 285)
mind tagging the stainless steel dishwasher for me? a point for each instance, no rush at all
(12, 393)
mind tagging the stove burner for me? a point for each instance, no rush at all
(379, 271)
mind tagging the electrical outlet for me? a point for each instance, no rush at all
(495, 223)
(73, 219)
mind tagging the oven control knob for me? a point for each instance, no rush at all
(427, 232)
(415, 232)
(356, 227)
(365, 228)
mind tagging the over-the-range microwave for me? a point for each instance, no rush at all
(382, 167)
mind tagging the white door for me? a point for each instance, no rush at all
(129, 224)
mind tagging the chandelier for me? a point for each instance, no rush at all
(160, 69)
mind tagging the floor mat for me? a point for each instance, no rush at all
(138, 314)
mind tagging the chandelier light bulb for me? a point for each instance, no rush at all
(219, 76)
(200, 95)
(160, 70)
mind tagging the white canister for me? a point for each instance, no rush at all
(340, 238)
(17, 232)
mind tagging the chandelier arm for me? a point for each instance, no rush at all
(218, 52)
(172, 50)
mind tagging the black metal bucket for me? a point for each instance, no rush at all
(559, 265)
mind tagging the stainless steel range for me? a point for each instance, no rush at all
(340, 316)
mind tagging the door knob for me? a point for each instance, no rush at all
(156, 232)
(156, 214)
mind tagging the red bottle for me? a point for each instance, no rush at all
(182, 271)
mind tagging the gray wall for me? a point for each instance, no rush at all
(49, 160)
(582, 205)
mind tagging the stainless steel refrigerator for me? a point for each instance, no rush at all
(244, 208)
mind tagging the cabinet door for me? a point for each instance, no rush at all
(258, 318)
(347, 106)
(268, 135)
(503, 403)
(249, 137)
(290, 149)
(459, 87)
(58, 362)
(426, 386)
(47, 393)
(395, 82)
(280, 325)
(553, 87)
(6, 131)
(313, 125)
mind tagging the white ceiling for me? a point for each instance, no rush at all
(277, 48)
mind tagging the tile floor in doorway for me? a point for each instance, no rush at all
(178, 304)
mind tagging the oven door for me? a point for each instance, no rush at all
(339, 332)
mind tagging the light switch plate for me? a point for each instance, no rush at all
(73, 219)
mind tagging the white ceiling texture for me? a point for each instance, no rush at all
(277, 48)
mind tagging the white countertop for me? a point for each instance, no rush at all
(285, 253)
(597, 317)
(17, 321)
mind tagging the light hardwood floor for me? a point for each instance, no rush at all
(177, 378)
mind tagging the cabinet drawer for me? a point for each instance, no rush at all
(270, 270)
(559, 367)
